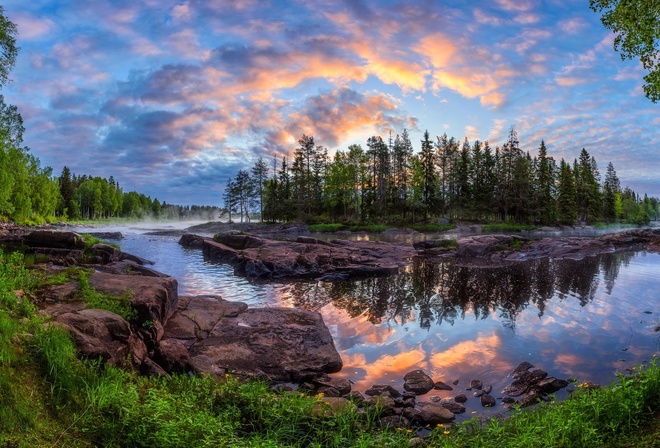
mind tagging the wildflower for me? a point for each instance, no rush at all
(440, 425)
(446, 432)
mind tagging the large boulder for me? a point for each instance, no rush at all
(57, 239)
(418, 382)
(104, 334)
(283, 343)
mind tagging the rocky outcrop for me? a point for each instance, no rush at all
(103, 334)
(262, 258)
(257, 257)
(284, 343)
(531, 385)
(488, 249)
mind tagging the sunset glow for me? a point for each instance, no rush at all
(173, 97)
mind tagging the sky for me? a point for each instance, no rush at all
(173, 97)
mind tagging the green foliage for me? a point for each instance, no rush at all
(447, 244)
(636, 25)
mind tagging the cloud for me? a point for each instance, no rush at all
(30, 27)
(573, 25)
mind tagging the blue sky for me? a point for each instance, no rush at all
(173, 97)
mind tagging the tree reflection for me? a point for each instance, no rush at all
(436, 293)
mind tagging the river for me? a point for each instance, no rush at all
(585, 319)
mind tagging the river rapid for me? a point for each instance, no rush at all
(586, 319)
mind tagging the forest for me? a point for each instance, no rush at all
(447, 179)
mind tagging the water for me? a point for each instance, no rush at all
(585, 319)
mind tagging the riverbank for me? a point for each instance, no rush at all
(133, 393)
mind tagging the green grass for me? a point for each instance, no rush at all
(589, 418)
(446, 244)
(503, 227)
(52, 398)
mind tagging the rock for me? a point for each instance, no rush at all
(153, 298)
(197, 316)
(411, 413)
(356, 397)
(54, 239)
(531, 397)
(439, 385)
(487, 401)
(418, 382)
(453, 406)
(202, 364)
(107, 235)
(434, 414)
(551, 385)
(476, 384)
(103, 334)
(284, 343)
(379, 389)
(343, 386)
(172, 356)
(150, 368)
(264, 258)
(488, 389)
(460, 398)
(192, 241)
(522, 367)
(382, 403)
(333, 405)
(393, 422)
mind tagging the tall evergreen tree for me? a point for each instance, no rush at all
(611, 190)
(545, 187)
(566, 203)
(429, 178)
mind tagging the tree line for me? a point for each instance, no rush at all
(88, 198)
(448, 178)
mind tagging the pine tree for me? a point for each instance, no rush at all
(611, 189)
(545, 187)
(429, 178)
(566, 203)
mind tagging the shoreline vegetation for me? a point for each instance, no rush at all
(51, 397)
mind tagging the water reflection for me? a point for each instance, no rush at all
(435, 294)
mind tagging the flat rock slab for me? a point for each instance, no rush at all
(283, 343)
(263, 258)
(154, 298)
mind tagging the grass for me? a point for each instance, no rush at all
(508, 227)
(52, 398)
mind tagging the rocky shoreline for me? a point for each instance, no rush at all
(292, 348)
(259, 257)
